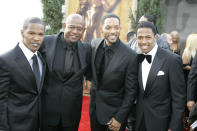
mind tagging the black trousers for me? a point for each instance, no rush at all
(143, 125)
(96, 126)
(60, 127)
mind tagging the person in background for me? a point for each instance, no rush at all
(162, 93)
(187, 57)
(174, 46)
(22, 71)
(130, 36)
(68, 61)
(114, 82)
(167, 37)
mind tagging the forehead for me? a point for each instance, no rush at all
(144, 31)
(35, 27)
(75, 21)
(111, 21)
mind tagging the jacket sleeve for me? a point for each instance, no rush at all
(192, 82)
(178, 93)
(4, 87)
(130, 87)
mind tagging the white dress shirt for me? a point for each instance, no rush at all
(146, 66)
(29, 54)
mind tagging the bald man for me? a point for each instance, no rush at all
(67, 60)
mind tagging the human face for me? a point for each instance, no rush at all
(146, 39)
(33, 36)
(111, 30)
(175, 39)
(73, 30)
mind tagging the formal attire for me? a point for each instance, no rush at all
(114, 84)
(66, 66)
(191, 89)
(162, 93)
(21, 78)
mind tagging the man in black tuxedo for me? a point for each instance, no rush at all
(114, 84)
(162, 94)
(21, 77)
(67, 60)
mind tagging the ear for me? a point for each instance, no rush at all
(64, 26)
(22, 33)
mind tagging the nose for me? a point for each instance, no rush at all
(75, 30)
(37, 38)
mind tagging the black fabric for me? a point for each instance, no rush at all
(36, 70)
(99, 61)
(68, 64)
(141, 58)
(96, 126)
(104, 56)
(62, 67)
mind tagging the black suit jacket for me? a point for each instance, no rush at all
(116, 92)
(63, 99)
(191, 89)
(162, 103)
(19, 95)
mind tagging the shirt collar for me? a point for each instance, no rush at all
(113, 47)
(27, 52)
(65, 45)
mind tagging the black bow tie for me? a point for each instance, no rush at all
(142, 56)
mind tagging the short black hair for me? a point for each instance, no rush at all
(145, 24)
(150, 18)
(129, 34)
(109, 15)
(32, 20)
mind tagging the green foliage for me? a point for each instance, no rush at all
(152, 7)
(52, 10)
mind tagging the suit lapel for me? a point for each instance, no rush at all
(81, 55)
(156, 65)
(140, 77)
(51, 48)
(116, 57)
(43, 72)
(95, 46)
(24, 66)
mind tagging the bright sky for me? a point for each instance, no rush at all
(13, 13)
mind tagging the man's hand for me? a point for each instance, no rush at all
(190, 105)
(114, 125)
(169, 130)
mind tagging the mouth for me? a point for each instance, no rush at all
(36, 44)
(112, 37)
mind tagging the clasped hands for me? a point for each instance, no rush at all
(114, 125)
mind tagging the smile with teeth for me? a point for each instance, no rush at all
(36, 44)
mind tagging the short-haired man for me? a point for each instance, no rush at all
(21, 77)
(162, 92)
(114, 84)
(67, 60)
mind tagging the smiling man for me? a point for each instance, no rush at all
(114, 84)
(162, 92)
(67, 60)
(21, 76)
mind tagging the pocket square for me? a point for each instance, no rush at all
(160, 73)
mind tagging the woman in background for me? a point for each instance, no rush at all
(188, 55)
